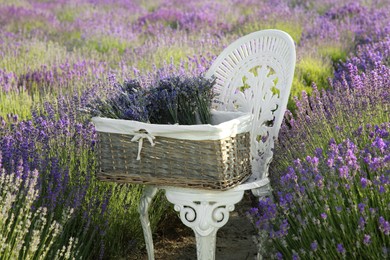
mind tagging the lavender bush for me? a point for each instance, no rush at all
(331, 189)
(335, 113)
(28, 231)
(63, 157)
(335, 203)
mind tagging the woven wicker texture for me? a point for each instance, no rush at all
(207, 164)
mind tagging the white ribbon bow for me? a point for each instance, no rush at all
(139, 138)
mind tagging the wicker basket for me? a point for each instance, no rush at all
(220, 164)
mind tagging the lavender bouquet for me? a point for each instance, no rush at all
(171, 100)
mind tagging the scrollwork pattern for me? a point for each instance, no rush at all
(189, 213)
(205, 216)
(258, 93)
(204, 213)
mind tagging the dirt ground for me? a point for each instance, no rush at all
(175, 241)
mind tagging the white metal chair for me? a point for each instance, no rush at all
(254, 74)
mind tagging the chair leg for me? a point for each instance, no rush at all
(205, 212)
(147, 196)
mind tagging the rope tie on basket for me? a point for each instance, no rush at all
(140, 139)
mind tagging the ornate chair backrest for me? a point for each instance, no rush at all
(254, 74)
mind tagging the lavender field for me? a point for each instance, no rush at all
(331, 169)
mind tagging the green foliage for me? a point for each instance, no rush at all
(336, 53)
(298, 86)
(70, 39)
(32, 56)
(26, 25)
(17, 103)
(67, 15)
(150, 5)
(311, 70)
(106, 45)
(169, 55)
(14, 3)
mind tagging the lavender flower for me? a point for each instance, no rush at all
(340, 248)
(362, 223)
(384, 226)
(366, 239)
(364, 182)
(344, 172)
(361, 207)
(314, 246)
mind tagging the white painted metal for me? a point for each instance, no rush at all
(205, 212)
(148, 193)
(254, 75)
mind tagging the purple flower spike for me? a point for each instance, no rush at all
(295, 256)
(314, 246)
(375, 163)
(340, 248)
(361, 207)
(367, 239)
(362, 223)
(330, 162)
(344, 172)
(380, 144)
(384, 225)
(324, 216)
(364, 182)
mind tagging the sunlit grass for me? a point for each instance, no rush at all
(106, 44)
(17, 103)
(67, 14)
(16, 3)
(336, 53)
(32, 55)
(313, 70)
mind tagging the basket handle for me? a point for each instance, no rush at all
(139, 137)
